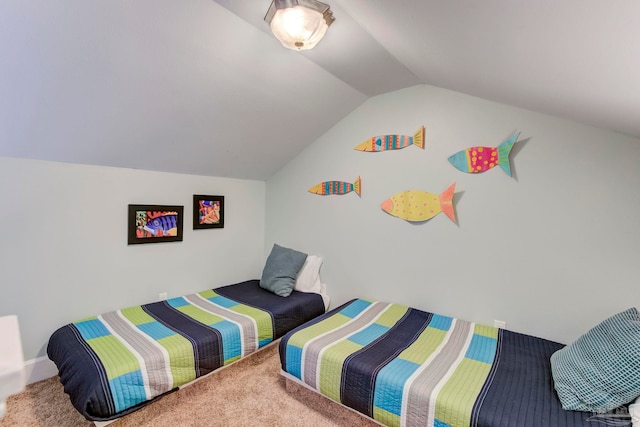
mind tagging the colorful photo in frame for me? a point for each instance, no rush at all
(155, 223)
(208, 211)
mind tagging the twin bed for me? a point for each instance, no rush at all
(117, 362)
(406, 367)
(397, 365)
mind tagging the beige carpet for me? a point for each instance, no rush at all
(250, 392)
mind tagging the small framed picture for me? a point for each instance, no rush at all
(208, 211)
(155, 223)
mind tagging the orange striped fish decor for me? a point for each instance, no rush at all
(336, 187)
(392, 142)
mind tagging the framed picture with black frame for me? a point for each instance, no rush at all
(208, 211)
(155, 223)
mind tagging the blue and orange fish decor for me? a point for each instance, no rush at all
(392, 142)
(481, 159)
(420, 206)
(336, 187)
(157, 224)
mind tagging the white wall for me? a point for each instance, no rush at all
(552, 251)
(64, 252)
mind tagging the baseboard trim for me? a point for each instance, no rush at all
(39, 369)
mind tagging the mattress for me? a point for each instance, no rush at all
(405, 367)
(117, 362)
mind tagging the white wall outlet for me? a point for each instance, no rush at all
(162, 296)
(500, 324)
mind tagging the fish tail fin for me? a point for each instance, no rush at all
(446, 202)
(505, 165)
(357, 186)
(418, 138)
(503, 153)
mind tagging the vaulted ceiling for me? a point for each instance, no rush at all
(202, 87)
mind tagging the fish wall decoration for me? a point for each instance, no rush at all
(419, 206)
(392, 142)
(481, 159)
(337, 187)
(165, 224)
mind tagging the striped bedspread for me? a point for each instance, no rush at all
(115, 362)
(406, 367)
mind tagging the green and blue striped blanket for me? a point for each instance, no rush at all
(406, 367)
(116, 362)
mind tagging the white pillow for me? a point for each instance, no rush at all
(327, 301)
(308, 278)
(634, 411)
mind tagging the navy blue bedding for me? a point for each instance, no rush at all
(403, 366)
(115, 363)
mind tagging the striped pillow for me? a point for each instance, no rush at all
(600, 371)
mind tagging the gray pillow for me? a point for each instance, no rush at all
(600, 370)
(281, 269)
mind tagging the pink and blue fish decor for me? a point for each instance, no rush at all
(161, 224)
(420, 206)
(481, 159)
(337, 187)
(392, 142)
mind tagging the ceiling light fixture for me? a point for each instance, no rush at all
(299, 24)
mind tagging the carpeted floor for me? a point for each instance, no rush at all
(250, 392)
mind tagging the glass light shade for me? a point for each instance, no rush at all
(298, 28)
(299, 24)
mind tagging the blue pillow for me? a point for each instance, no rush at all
(600, 371)
(281, 269)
